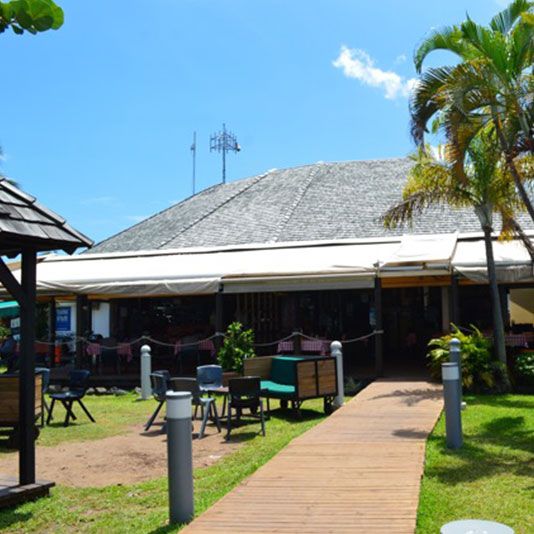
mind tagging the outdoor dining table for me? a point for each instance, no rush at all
(518, 340)
(319, 346)
(205, 344)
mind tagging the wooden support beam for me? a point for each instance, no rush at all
(27, 369)
(379, 338)
(52, 313)
(11, 283)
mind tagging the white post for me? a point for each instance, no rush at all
(335, 351)
(146, 369)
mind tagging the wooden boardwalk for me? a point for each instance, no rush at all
(358, 471)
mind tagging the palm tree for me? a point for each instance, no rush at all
(484, 185)
(493, 84)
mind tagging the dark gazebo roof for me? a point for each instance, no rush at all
(24, 222)
(26, 228)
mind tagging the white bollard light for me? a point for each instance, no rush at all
(336, 352)
(146, 369)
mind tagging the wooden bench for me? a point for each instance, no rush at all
(9, 407)
(295, 378)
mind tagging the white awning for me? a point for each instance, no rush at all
(424, 250)
(512, 260)
(196, 273)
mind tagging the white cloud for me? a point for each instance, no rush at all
(357, 64)
(401, 58)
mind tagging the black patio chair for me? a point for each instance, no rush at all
(160, 384)
(78, 384)
(244, 393)
(208, 408)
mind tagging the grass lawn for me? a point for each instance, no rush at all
(142, 508)
(114, 415)
(491, 477)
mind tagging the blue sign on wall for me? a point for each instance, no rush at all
(63, 318)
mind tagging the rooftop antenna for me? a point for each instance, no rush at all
(194, 154)
(223, 142)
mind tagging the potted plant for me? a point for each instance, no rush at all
(238, 345)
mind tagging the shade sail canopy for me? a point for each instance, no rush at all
(186, 272)
(512, 260)
(289, 267)
(427, 250)
(9, 308)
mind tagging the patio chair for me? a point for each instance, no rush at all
(244, 393)
(160, 384)
(45, 382)
(208, 408)
(78, 384)
(209, 377)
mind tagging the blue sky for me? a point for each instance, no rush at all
(97, 118)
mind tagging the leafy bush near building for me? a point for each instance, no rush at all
(237, 347)
(480, 370)
(524, 368)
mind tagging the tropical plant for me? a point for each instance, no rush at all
(479, 369)
(524, 368)
(492, 84)
(238, 346)
(32, 16)
(483, 185)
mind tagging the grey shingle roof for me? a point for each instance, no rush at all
(323, 201)
(24, 221)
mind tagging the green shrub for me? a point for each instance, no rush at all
(524, 368)
(479, 368)
(238, 346)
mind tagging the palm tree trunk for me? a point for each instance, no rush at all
(498, 324)
(511, 165)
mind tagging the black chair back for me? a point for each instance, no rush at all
(187, 384)
(79, 380)
(245, 392)
(159, 381)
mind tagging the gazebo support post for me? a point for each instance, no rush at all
(379, 340)
(27, 369)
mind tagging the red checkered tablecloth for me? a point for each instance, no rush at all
(206, 344)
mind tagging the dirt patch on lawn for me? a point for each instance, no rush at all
(126, 459)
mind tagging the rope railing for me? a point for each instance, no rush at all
(150, 339)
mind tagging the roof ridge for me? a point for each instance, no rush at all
(253, 182)
(298, 198)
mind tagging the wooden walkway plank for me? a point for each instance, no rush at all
(357, 471)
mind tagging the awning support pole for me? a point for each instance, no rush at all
(379, 348)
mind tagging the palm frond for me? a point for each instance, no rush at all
(448, 38)
(504, 21)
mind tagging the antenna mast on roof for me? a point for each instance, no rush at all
(223, 142)
(194, 154)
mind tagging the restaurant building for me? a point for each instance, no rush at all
(299, 249)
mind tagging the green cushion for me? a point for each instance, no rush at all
(283, 370)
(275, 389)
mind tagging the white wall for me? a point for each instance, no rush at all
(100, 318)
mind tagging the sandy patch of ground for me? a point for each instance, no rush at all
(126, 459)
